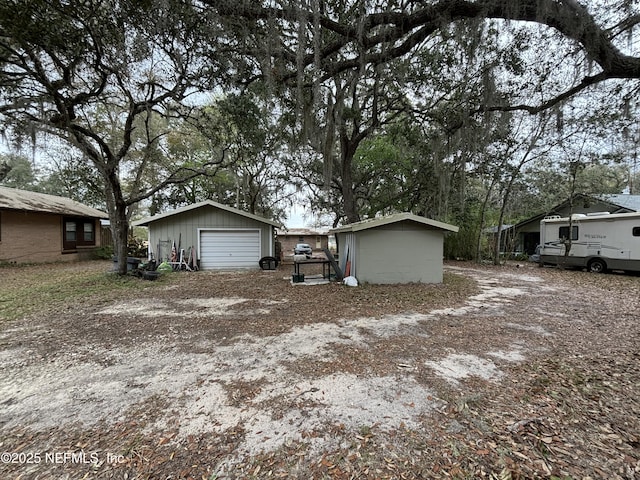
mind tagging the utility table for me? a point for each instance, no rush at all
(326, 266)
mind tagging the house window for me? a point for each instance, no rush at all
(70, 231)
(78, 232)
(563, 233)
(88, 233)
(636, 231)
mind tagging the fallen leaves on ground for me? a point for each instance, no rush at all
(571, 412)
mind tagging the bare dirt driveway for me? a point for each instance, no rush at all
(501, 372)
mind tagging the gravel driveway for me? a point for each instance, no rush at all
(535, 372)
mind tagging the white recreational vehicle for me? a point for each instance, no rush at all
(599, 241)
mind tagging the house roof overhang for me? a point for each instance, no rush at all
(207, 203)
(24, 200)
(302, 232)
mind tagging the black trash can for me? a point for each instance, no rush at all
(132, 263)
(268, 263)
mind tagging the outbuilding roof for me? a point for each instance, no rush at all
(146, 221)
(24, 200)
(398, 217)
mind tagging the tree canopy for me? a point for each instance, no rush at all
(333, 37)
(418, 95)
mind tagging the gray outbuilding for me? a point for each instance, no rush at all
(223, 237)
(400, 248)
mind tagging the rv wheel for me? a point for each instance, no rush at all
(597, 266)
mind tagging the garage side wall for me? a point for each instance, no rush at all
(400, 253)
(188, 224)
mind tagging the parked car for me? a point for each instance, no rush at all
(303, 249)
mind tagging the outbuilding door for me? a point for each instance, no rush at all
(229, 249)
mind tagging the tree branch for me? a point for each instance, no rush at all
(401, 32)
(585, 83)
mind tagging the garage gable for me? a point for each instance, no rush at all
(223, 237)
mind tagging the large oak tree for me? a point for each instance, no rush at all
(101, 75)
(559, 49)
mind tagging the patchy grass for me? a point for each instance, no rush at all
(27, 290)
(31, 289)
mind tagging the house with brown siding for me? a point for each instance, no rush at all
(36, 227)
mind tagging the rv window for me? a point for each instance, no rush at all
(636, 231)
(563, 232)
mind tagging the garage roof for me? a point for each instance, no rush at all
(211, 203)
(15, 199)
(398, 217)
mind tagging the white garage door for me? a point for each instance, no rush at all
(229, 249)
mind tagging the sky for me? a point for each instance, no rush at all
(296, 217)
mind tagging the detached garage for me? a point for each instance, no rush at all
(224, 237)
(401, 248)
